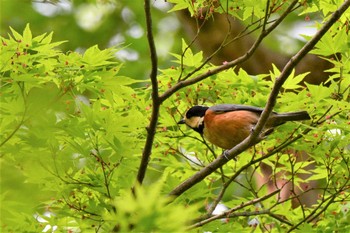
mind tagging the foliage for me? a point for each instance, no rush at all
(73, 132)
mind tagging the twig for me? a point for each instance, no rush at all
(187, 48)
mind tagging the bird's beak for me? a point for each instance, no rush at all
(182, 121)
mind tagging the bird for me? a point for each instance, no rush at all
(226, 125)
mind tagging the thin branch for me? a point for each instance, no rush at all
(255, 136)
(188, 47)
(151, 128)
(103, 167)
(231, 211)
(19, 125)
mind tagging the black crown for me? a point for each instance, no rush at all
(196, 111)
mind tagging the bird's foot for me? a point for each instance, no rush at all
(226, 154)
(252, 129)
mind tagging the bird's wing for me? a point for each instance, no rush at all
(221, 108)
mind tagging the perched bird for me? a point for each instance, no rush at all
(226, 125)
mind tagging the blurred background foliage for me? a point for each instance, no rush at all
(106, 23)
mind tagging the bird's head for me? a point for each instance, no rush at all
(194, 118)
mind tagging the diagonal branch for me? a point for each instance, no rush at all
(254, 137)
(151, 128)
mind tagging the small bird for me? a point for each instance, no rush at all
(226, 125)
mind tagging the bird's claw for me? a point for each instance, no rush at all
(252, 129)
(226, 154)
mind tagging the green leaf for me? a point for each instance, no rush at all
(16, 35)
(294, 82)
(93, 56)
(179, 5)
(27, 36)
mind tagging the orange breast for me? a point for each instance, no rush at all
(228, 129)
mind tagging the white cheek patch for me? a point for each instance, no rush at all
(200, 122)
(194, 122)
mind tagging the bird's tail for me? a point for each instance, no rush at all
(281, 118)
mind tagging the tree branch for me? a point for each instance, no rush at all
(254, 137)
(151, 128)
